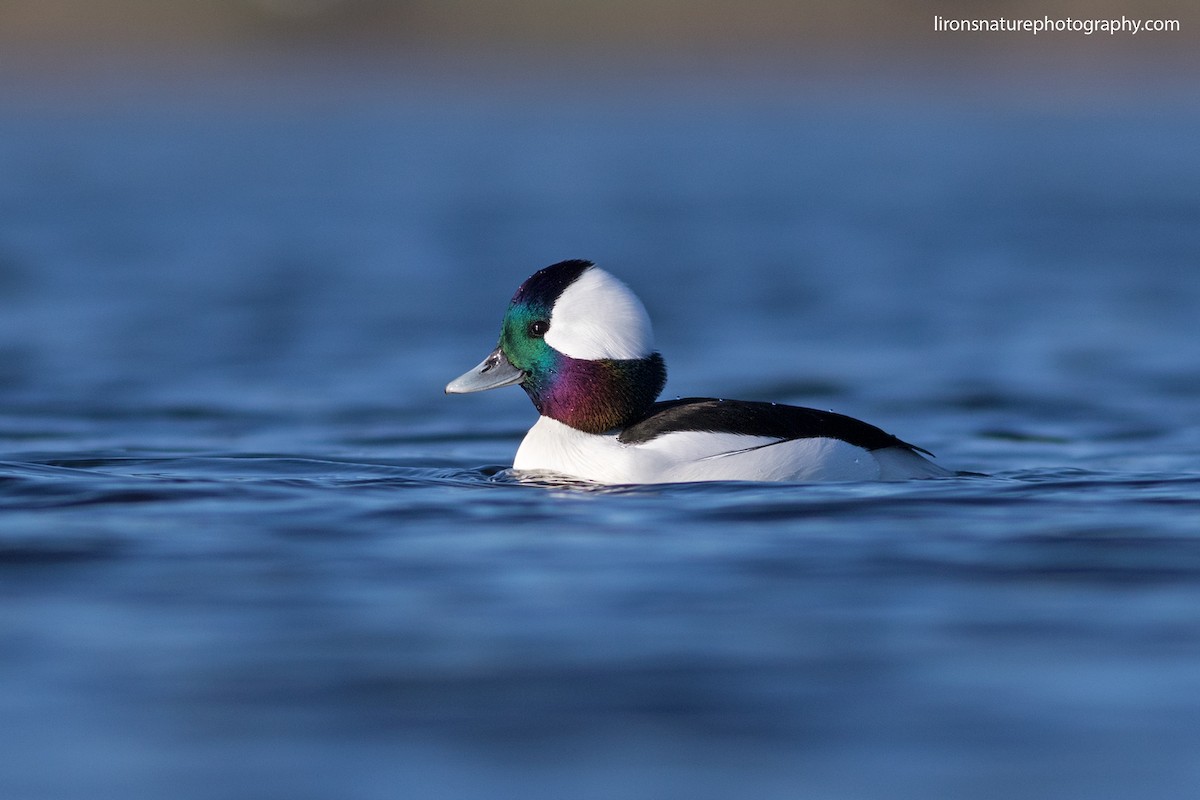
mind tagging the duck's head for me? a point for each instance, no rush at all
(578, 341)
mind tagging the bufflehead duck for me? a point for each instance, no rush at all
(579, 343)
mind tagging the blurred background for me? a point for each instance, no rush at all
(674, 28)
(245, 243)
(199, 192)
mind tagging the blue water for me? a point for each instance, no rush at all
(249, 549)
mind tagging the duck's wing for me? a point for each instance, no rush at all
(749, 418)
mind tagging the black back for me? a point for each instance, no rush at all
(756, 419)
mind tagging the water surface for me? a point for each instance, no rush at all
(248, 548)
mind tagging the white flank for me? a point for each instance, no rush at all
(685, 456)
(597, 316)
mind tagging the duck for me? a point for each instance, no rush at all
(580, 343)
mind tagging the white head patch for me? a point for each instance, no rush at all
(597, 316)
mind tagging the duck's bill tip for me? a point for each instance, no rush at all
(491, 373)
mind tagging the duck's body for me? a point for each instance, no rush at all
(579, 343)
(701, 439)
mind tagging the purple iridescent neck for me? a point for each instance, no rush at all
(597, 396)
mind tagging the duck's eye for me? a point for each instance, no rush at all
(538, 328)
